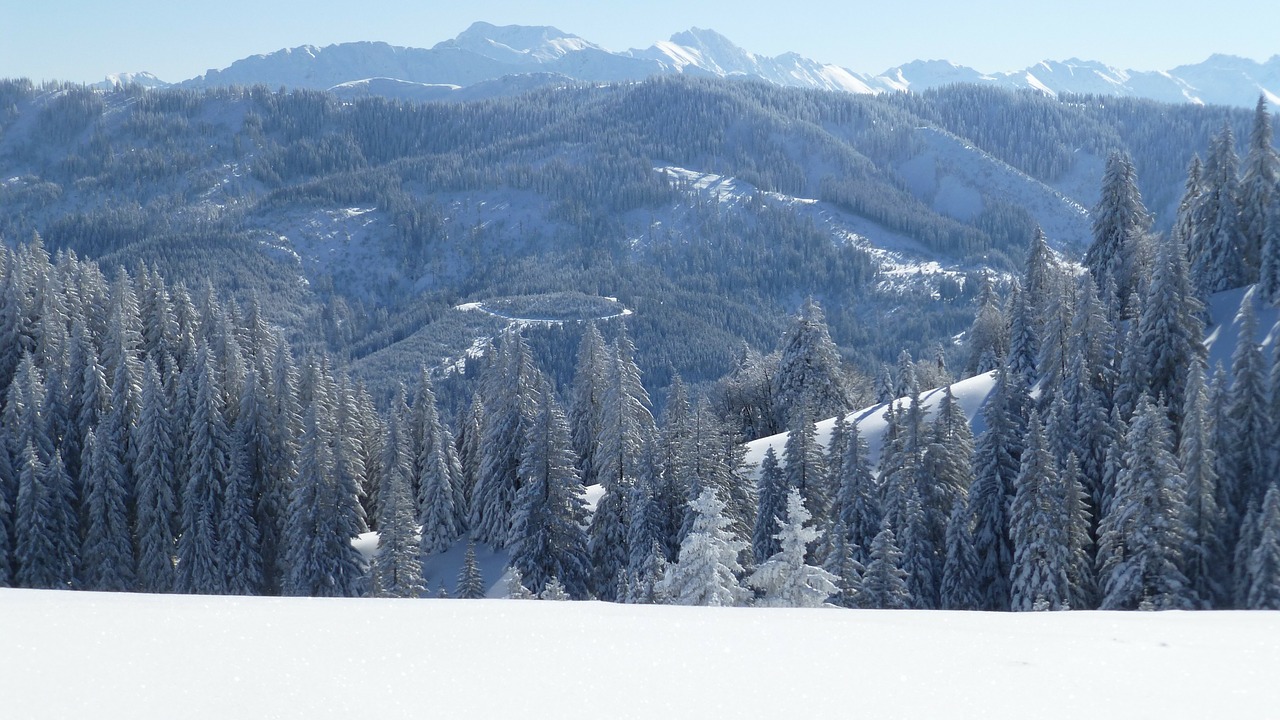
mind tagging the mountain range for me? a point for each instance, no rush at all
(545, 55)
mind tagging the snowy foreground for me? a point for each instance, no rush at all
(95, 655)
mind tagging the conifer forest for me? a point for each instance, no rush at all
(576, 386)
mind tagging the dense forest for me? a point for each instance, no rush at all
(163, 439)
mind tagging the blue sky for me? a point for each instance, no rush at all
(83, 40)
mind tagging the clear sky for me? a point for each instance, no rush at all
(84, 40)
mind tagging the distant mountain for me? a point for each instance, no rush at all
(486, 52)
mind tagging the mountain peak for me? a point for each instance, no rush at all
(517, 43)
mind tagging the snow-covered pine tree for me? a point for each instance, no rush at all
(198, 552)
(646, 578)
(1261, 173)
(397, 567)
(586, 397)
(1024, 339)
(516, 589)
(1039, 530)
(1141, 537)
(436, 472)
(1082, 582)
(106, 554)
(1216, 246)
(156, 508)
(1205, 558)
(1170, 332)
(947, 466)
(43, 524)
(8, 497)
(707, 570)
(1269, 274)
(1246, 430)
(987, 341)
(996, 464)
(884, 586)
(1088, 391)
(959, 588)
(554, 591)
(843, 566)
(647, 514)
(239, 557)
(784, 579)
(470, 585)
(1264, 561)
(771, 508)
(802, 466)
(547, 539)
(508, 389)
(857, 506)
(283, 429)
(920, 560)
(809, 374)
(625, 421)
(1120, 220)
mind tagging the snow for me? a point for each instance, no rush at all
(82, 654)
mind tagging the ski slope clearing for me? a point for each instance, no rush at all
(81, 654)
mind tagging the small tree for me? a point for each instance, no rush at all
(784, 578)
(707, 570)
(885, 584)
(470, 581)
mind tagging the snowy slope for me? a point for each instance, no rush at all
(93, 655)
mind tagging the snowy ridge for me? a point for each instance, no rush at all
(486, 52)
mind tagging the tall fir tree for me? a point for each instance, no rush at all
(996, 465)
(436, 473)
(154, 526)
(1246, 426)
(397, 566)
(884, 586)
(471, 585)
(1141, 537)
(1170, 332)
(508, 388)
(198, 552)
(1258, 183)
(44, 524)
(1205, 558)
(1039, 530)
(1263, 566)
(809, 374)
(1120, 221)
(106, 555)
(1216, 245)
(959, 588)
(586, 399)
(547, 540)
(771, 508)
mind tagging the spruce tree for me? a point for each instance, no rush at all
(1039, 529)
(844, 567)
(44, 523)
(1119, 222)
(470, 585)
(987, 341)
(857, 507)
(1142, 535)
(809, 374)
(996, 464)
(784, 579)
(547, 540)
(156, 513)
(959, 588)
(1216, 246)
(508, 388)
(1170, 332)
(1075, 506)
(1261, 173)
(1264, 560)
(771, 508)
(707, 570)
(106, 555)
(1205, 557)
(239, 557)
(436, 473)
(884, 585)
(1247, 428)
(397, 566)
(586, 398)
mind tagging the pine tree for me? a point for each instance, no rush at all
(920, 559)
(587, 395)
(1269, 274)
(987, 341)
(885, 584)
(1170, 332)
(1246, 426)
(844, 567)
(283, 428)
(516, 589)
(996, 464)
(707, 570)
(437, 473)
(239, 557)
(397, 567)
(959, 588)
(1119, 222)
(1204, 554)
(857, 506)
(1039, 530)
(547, 540)
(508, 391)
(802, 464)
(809, 375)
(1024, 339)
(470, 585)
(784, 579)
(1087, 393)
(198, 552)
(1082, 585)
(1257, 187)
(8, 497)
(43, 523)
(771, 509)
(106, 555)
(554, 591)
(1264, 560)
(1216, 246)
(1142, 535)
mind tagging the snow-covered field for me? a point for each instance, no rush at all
(95, 655)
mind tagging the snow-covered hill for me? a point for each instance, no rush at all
(98, 655)
(485, 52)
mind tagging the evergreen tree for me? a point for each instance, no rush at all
(771, 509)
(857, 506)
(1075, 502)
(198, 552)
(1257, 186)
(281, 431)
(1170, 332)
(554, 591)
(1246, 426)
(987, 341)
(885, 584)
(43, 524)
(959, 589)
(436, 473)
(1216, 245)
(156, 500)
(508, 391)
(397, 567)
(1039, 530)
(1024, 339)
(1264, 560)
(587, 395)
(1204, 554)
(784, 579)
(547, 540)
(106, 555)
(844, 567)
(1119, 222)
(920, 559)
(516, 589)
(707, 570)
(809, 374)
(1269, 274)
(996, 464)
(8, 497)
(470, 585)
(239, 557)
(802, 463)
(1142, 535)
